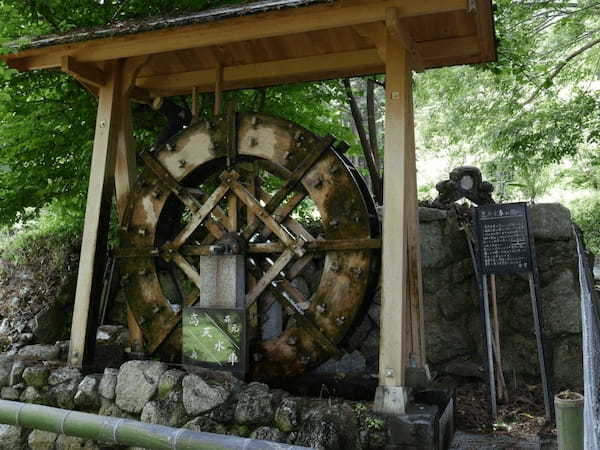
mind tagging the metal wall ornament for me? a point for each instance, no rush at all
(246, 175)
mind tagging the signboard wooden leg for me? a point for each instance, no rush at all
(391, 396)
(539, 335)
(489, 346)
(97, 216)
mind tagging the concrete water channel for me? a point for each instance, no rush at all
(466, 441)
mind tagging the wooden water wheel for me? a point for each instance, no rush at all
(251, 176)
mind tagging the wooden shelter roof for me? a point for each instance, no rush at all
(271, 42)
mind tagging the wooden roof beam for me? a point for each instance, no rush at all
(360, 62)
(267, 25)
(401, 33)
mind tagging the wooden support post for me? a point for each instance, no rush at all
(417, 362)
(218, 91)
(125, 167)
(97, 216)
(194, 103)
(391, 396)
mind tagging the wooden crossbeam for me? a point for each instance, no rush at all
(354, 63)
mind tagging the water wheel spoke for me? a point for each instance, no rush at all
(192, 297)
(214, 226)
(298, 266)
(269, 276)
(275, 201)
(283, 211)
(186, 268)
(307, 324)
(261, 248)
(165, 178)
(262, 214)
(293, 291)
(200, 215)
(232, 213)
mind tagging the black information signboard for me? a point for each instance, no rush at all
(505, 246)
(503, 236)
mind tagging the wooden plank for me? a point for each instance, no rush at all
(96, 224)
(268, 73)
(282, 212)
(397, 129)
(86, 73)
(270, 24)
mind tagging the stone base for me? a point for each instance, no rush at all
(391, 400)
(426, 424)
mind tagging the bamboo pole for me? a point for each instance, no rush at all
(123, 431)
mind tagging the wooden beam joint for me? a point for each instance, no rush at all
(86, 73)
(399, 31)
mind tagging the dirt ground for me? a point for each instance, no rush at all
(521, 417)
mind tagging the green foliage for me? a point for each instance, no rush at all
(47, 238)
(537, 105)
(586, 213)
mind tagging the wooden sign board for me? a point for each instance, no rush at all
(215, 338)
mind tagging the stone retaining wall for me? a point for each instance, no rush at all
(452, 317)
(199, 400)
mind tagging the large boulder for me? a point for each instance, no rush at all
(39, 352)
(254, 405)
(329, 428)
(87, 397)
(11, 437)
(137, 382)
(63, 386)
(41, 440)
(200, 396)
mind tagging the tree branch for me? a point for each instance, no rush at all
(372, 122)
(560, 67)
(364, 141)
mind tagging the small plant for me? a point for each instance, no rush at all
(374, 423)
